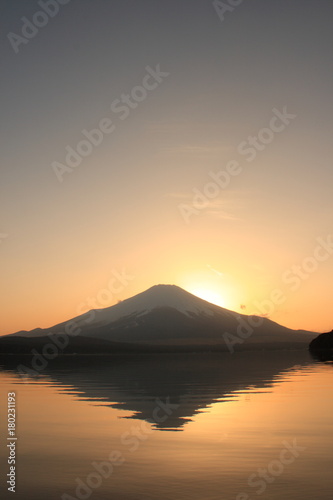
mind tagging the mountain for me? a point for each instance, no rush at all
(164, 317)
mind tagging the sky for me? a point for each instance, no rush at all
(177, 141)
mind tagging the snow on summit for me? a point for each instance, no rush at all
(155, 297)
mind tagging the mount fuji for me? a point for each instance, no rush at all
(162, 318)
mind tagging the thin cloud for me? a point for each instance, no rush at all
(215, 270)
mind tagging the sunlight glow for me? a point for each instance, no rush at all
(209, 295)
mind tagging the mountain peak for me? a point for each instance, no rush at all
(167, 290)
(157, 296)
(163, 286)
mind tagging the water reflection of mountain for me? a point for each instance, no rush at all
(193, 382)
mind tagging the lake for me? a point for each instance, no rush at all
(183, 427)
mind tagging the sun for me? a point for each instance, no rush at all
(209, 295)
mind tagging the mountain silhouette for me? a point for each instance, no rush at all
(162, 318)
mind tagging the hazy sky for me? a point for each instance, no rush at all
(183, 94)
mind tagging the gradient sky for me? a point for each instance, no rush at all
(61, 243)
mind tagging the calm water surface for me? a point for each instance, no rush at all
(233, 427)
